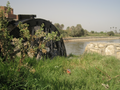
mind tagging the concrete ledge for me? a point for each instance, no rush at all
(112, 49)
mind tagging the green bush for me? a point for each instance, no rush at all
(6, 48)
(111, 33)
(101, 32)
(92, 32)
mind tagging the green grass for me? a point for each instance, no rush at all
(88, 72)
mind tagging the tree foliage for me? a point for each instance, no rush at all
(59, 26)
(77, 31)
(74, 31)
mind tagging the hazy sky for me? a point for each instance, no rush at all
(97, 15)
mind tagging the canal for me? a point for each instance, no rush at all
(78, 47)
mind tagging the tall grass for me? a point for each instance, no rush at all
(88, 72)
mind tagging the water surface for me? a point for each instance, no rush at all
(78, 47)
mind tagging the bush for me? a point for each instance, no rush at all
(101, 32)
(7, 49)
(111, 33)
(92, 31)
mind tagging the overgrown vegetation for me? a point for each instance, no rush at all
(6, 40)
(88, 72)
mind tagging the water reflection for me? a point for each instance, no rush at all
(77, 48)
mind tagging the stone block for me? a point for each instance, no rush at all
(118, 48)
(110, 50)
(96, 50)
(118, 55)
(101, 45)
(90, 45)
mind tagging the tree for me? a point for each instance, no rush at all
(58, 26)
(113, 28)
(68, 28)
(77, 31)
(85, 32)
(72, 31)
(61, 26)
(78, 27)
(92, 31)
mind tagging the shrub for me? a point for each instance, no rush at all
(6, 48)
(5, 38)
(92, 31)
(111, 33)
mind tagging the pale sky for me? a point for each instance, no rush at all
(96, 15)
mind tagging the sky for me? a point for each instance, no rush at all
(93, 15)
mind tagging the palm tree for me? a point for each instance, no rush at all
(113, 28)
(110, 28)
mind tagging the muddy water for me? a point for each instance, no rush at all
(78, 47)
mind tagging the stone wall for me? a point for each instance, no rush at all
(112, 49)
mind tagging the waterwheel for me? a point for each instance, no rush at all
(53, 48)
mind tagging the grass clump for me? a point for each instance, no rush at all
(88, 72)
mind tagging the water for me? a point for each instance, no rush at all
(78, 47)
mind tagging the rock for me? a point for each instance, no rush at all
(118, 48)
(118, 55)
(90, 45)
(96, 50)
(101, 45)
(112, 49)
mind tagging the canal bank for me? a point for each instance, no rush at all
(74, 39)
(78, 47)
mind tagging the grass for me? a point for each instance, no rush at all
(88, 72)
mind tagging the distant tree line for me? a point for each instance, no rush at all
(73, 31)
(78, 31)
(110, 33)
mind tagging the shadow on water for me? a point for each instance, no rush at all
(78, 47)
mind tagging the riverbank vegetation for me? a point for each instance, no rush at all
(88, 72)
(79, 31)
